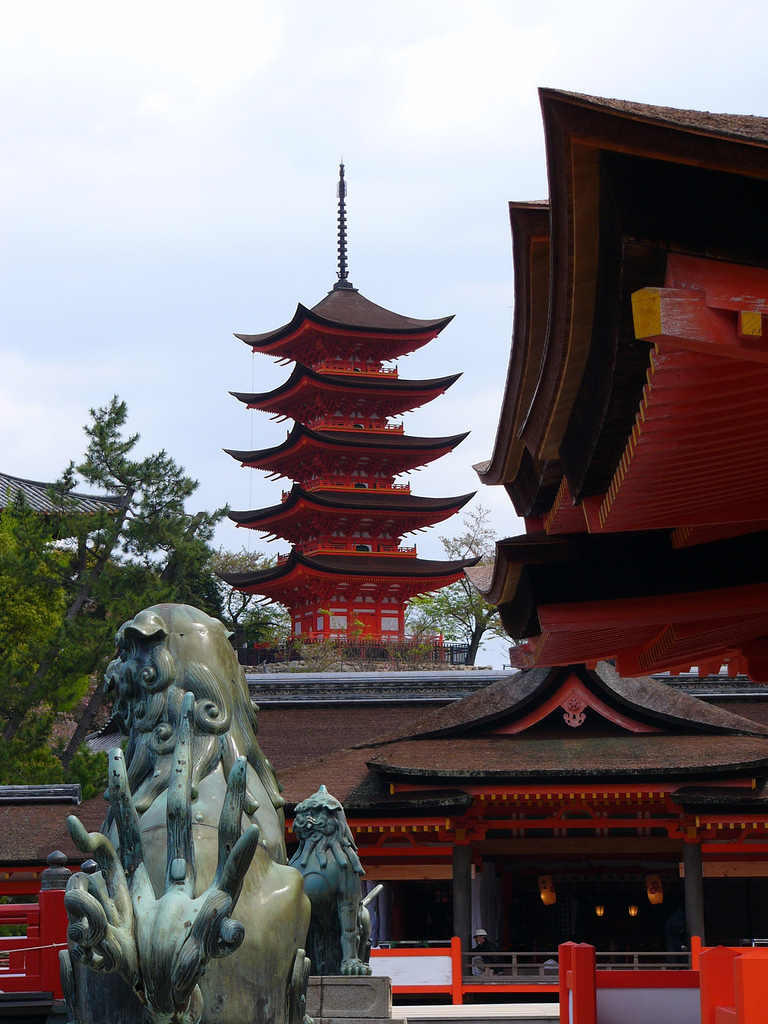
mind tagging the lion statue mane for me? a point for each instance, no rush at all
(165, 654)
(340, 926)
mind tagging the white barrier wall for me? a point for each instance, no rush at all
(414, 970)
(659, 1005)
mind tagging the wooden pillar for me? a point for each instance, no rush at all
(462, 894)
(489, 900)
(694, 890)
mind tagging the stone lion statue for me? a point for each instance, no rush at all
(194, 836)
(340, 926)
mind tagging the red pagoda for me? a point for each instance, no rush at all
(347, 573)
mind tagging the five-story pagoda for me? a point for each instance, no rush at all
(347, 573)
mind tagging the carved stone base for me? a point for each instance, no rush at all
(337, 999)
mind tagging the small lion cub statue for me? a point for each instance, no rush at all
(340, 925)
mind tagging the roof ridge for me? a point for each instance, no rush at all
(734, 126)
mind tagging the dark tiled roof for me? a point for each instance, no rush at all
(351, 565)
(350, 774)
(484, 707)
(644, 698)
(733, 797)
(745, 127)
(345, 380)
(348, 308)
(674, 707)
(293, 735)
(388, 441)
(342, 771)
(481, 576)
(37, 496)
(365, 500)
(589, 757)
(29, 833)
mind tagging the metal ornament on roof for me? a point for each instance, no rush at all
(342, 273)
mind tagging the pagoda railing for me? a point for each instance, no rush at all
(344, 366)
(342, 423)
(373, 648)
(353, 547)
(352, 483)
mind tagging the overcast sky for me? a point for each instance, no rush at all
(168, 175)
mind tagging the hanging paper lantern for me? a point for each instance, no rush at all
(653, 889)
(547, 890)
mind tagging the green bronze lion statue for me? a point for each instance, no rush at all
(188, 911)
(340, 927)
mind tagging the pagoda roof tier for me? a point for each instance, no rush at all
(308, 394)
(637, 598)
(385, 575)
(304, 514)
(345, 322)
(309, 453)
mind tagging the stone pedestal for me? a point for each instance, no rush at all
(338, 999)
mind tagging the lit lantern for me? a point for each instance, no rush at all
(599, 910)
(632, 908)
(653, 889)
(547, 890)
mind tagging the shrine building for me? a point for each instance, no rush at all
(345, 516)
(581, 798)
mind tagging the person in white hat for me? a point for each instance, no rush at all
(482, 945)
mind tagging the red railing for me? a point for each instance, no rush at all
(347, 366)
(29, 960)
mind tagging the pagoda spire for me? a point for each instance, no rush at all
(342, 273)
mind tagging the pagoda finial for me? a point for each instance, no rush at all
(342, 273)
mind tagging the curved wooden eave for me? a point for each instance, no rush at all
(498, 583)
(359, 440)
(577, 127)
(347, 310)
(353, 566)
(573, 172)
(305, 376)
(530, 254)
(372, 503)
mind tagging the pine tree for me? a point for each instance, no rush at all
(86, 574)
(459, 612)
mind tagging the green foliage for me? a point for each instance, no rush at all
(68, 581)
(459, 612)
(261, 623)
(90, 770)
(27, 759)
(31, 604)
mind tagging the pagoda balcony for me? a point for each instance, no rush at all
(352, 483)
(343, 423)
(348, 366)
(324, 547)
